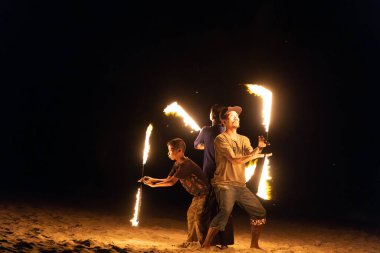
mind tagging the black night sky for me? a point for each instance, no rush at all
(81, 81)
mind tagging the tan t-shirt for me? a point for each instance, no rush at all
(227, 172)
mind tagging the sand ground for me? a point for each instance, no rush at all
(26, 228)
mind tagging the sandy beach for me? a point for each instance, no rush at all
(27, 228)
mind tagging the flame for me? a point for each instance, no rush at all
(175, 109)
(250, 170)
(267, 100)
(147, 146)
(264, 186)
(266, 95)
(135, 220)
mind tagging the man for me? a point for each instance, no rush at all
(193, 180)
(205, 142)
(232, 151)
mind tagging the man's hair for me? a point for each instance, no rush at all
(177, 143)
(215, 111)
(223, 113)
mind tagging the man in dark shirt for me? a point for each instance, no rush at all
(205, 141)
(193, 180)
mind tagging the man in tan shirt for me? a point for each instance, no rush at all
(232, 151)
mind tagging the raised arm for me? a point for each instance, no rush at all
(199, 142)
(221, 145)
(256, 152)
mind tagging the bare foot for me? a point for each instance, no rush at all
(257, 247)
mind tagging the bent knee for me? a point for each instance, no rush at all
(261, 213)
(258, 214)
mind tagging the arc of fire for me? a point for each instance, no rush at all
(176, 110)
(264, 188)
(136, 215)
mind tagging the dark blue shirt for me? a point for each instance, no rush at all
(206, 137)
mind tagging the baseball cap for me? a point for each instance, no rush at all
(226, 110)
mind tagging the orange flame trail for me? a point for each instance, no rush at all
(264, 186)
(267, 101)
(135, 219)
(147, 145)
(264, 190)
(250, 170)
(175, 109)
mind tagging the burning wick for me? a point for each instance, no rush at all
(135, 219)
(175, 109)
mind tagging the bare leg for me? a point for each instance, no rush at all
(210, 235)
(255, 234)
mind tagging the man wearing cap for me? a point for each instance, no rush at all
(232, 151)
